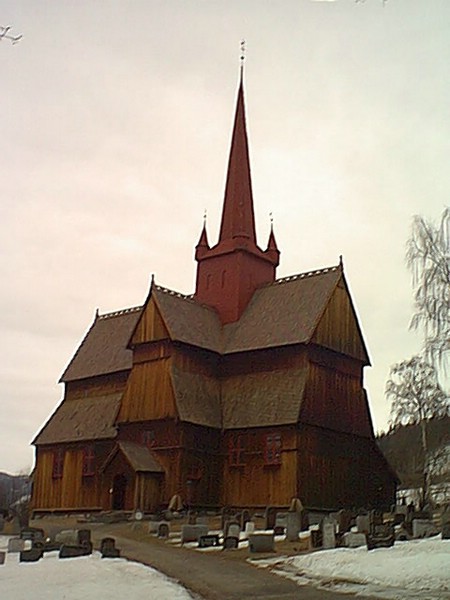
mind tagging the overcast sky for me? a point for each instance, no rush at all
(115, 126)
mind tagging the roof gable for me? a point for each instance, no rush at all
(104, 347)
(338, 328)
(84, 419)
(140, 458)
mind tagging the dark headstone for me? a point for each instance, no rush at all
(192, 533)
(73, 551)
(16, 544)
(245, 518)
(2, 523)
(382, 536)
(270, 516)
(230, 543)
(108, 548)
(316, 538)
(446, 531)
(279, 530)
(2, 558)
(163, 530)
(32, 555)
(84, 537)
(206, 541)
(261, 542)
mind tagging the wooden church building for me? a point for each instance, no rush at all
(247, 393)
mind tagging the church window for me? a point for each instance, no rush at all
(58, 464)
(272, 449)
(148, 438)
(236, 450)
(88, 461)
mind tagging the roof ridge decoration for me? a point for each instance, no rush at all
(118, 313)
(304, 275)
(170, 292)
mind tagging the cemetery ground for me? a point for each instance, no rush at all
(408, 570)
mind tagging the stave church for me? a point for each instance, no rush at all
(247, 393)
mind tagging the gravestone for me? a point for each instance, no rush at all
(153, 526)
(249, 527)
(353, 540)
(192, 533)
(328, 533)
(363, 523)
(234, 530)
(230, 543)
(69, 537)
(192, 518)
(108, 548)
(2, 558)
(32, 555)
(163, 530)
(422, 528)
(316, 538)
(261, 542)
(84, 537)
(281, 520)
(245, 518)
(344, 519)
(12, 526)
(16, 545)
(445, 531)
(269, 517)
(228, 524)
(2, 524)
(209, 540)
(293, 526)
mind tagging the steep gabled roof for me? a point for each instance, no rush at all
(104, 347)
(283, 313)
(140, 458)
(90, 418)
(263, 399)
(188, 321)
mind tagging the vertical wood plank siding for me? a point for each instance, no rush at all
(149, 394)
(150, 327)
(338, 328)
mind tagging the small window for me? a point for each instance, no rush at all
(272, 450)
(58, 464)
(236, 450)
(148, 438)
(88, 461)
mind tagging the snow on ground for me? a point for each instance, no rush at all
(83, 577)
(414, 569)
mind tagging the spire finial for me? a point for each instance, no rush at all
(271, 218)
(242, 57)
(205, 214)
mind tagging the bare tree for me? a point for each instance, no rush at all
(428, 258)
(416, 397)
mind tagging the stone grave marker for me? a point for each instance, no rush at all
(445, 531)
(192, 533)
(2, 524)
(293, 526)
(328, 533)
(209, 540)
(108, 548)
(230, 543)
(270, 516)
(249, 527)
(153, 526)
(245, 518)
(2, 557)
(422, 528)
(234, 530)
(261, 542)
(281, 519)
(68, 537)
(163, 530)
(363, 523)
(33, 555)
(15, 545)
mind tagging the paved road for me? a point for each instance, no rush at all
(213, 575)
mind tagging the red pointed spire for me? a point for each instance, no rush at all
(272, 248)
(238, 219)
(203, 246)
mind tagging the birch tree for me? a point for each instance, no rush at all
(416, 396)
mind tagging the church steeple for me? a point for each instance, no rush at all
(230, 272)
(238, 219)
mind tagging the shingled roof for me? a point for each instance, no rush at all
(90, 418)
(279, 314)
(104, 347)
(140, 458)
(197, 397)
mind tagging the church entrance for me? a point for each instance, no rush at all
(119, 489)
